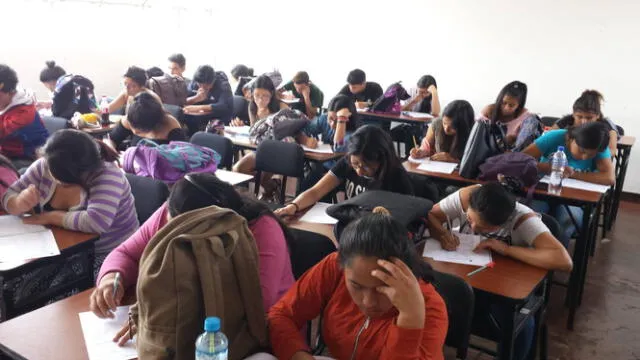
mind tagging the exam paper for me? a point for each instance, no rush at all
(438, 166)
(579, 184)
(318, 214)
(322, 148)
(99, 333)
(464, 254)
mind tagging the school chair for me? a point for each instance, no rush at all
(459, 299)
(241, 108)
(219, 144)
(53, 124)
(548, 121)
(174, 110)
(148, 194)
(280, 158)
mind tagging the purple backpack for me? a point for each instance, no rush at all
(512, 165)
(389, 102)
(170, 162)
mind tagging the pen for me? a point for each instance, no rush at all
(488, 266)
(415, 143)
(115, 285)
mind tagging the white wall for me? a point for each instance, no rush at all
(473, 48)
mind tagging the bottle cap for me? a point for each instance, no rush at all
(212, 324)
(561, 148)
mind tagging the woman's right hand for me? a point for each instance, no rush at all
(449, 241)
(25, 201)
(102, 301)
(418, 153)
(288, 210)
(237, 122)
(126, 333)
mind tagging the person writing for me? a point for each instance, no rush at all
(309, 94)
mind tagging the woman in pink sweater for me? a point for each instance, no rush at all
(8, 175)
(190, 193)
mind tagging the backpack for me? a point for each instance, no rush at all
(170, 162)
(171, 89)
(73, 93)
(514, 170)
(202, 263)
(530, 130)
(410, 211)
(486, 139)
(389, 102)
(281, 126)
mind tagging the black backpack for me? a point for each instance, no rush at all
(73, 93)
(389, 102)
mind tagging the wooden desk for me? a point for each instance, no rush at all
(244, 143)
(590, 202)
(101, 131)
(74, 246)
(395, 117)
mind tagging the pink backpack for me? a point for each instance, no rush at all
(170, 162)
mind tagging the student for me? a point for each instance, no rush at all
(426, 100)
(509, 111)
(335, 128)
(8, 175)
(77, 186)
(241, 75)
(371, 163)
(264, 102)
(154, 71)
(363, 92)
(209, 98)
(586, 109)
(309, 94)
(50, 74)
(374, 295)
(588, 157)
(447, 136)
(147, 119)
(276, 79)
(177, 65)
(512, 230)
(21, 129)
(195, 191)
(135, 82)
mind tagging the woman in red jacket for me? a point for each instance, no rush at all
(374, 296)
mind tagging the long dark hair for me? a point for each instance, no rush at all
(264, 82)
(345, 102)
(73, 156)
(375, 145)
(200, 190)
(461, 114)
(514, 89)
(591, 136)
(589, 102)
(380, 236)
(52, 72)
(6, 163)
(145, 112)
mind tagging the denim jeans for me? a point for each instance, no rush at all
(560, 213)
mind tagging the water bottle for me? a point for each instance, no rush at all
(104, 111)
(558, 163)
(212, 344)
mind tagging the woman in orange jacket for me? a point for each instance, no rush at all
(374, 296)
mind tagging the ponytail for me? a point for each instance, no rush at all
(106, 152)
(589, 101)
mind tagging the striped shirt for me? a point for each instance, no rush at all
(107, 208)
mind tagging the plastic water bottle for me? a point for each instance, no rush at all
(558, 163)
(104, 111)
(212, 344)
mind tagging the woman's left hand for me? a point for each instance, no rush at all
(126, 333)
(442, 156)
(40, 219)
(494, 245)
(403, 291)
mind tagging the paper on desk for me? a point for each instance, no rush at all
(99, 333)
(237, 130)
(579, 184)
(318, 214)
(19, 242)
(463, 255)
(411, 159)
(322, 148)
(12, 225)
(231, 177)
(438, 166)
(415, 114)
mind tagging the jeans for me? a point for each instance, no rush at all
(560, 213)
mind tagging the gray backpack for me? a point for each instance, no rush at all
(171, 89)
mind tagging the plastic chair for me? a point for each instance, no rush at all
(548, 120)
(53, 123)
(149, 194)
(281, 158)
(241, 108)
(459, 298)
(220, 144)
(308, 250)
(174, 110)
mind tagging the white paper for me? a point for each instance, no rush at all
(464, 254)
(579, 184)
(12, 225)
(415, 114)
(237, 130)
(411, 159)
(231, 177)
(28, 246)
(290, 101)
(99, 333)
(322, 148)
(438, 166)
(318, 214)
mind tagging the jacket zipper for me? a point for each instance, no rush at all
(355, 345)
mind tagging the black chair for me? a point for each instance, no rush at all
(281, 158)
(241, 108)
(53, 124)
(174, 110)
(620, 130)
(459, 298)
(542, 328)
(548, 120)
(220, 144)
(149, 194)
(308, 249)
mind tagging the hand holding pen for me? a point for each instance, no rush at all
(449, 241)
(107, 295)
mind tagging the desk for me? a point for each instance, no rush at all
(233, 178)
(101, 131)
(395, 117)
(75, 249)
(589, 201)
(244, 143)
(622, 161)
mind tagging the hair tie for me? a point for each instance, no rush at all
(381, 210)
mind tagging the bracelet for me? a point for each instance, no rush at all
(342, 122)
(294, 204)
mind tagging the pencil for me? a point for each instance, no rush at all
(488, 266)
(415, 143)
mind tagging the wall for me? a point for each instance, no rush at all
(473, 48)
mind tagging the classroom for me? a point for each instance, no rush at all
(367, 180)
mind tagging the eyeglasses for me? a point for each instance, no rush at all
(360, 166)
(262, 97)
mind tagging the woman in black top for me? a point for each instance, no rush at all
(370, 164)
(147, 119)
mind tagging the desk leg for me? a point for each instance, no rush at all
(508, 338)
(624, 162)
(593, 234)
(593, 239)
(580, 257)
